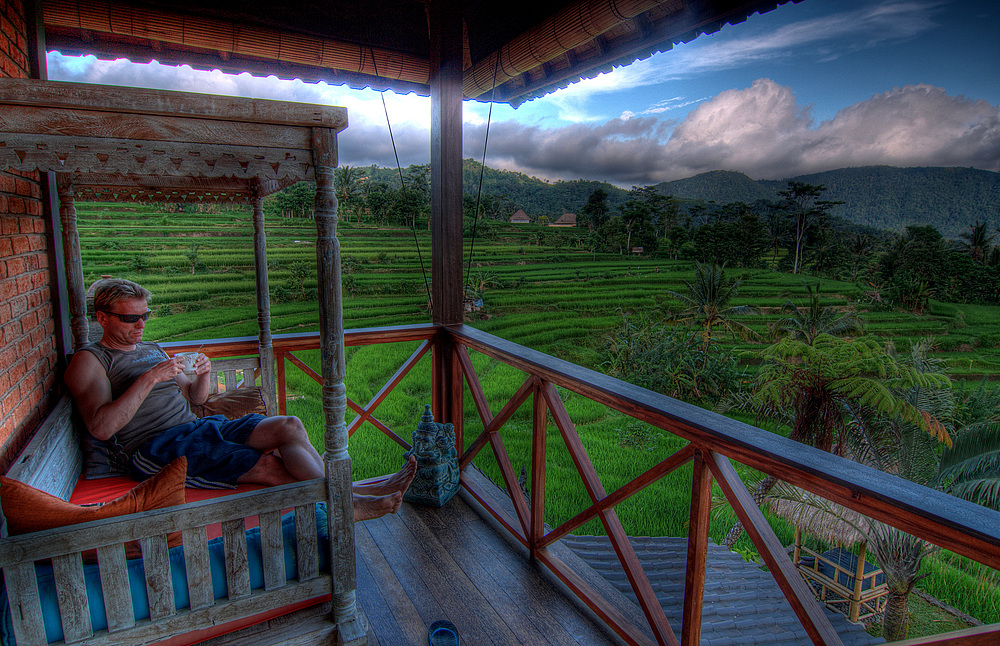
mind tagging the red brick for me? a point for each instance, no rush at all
(33, 207)
(7, 183)
(36, 242)
(3, 203)
(6, 249)
(20, 244)
(29, 320)
(4, 382)
(25, 224)
(24, 285)
(7, 291)
(16, 266)
(39, 278)
(22, 187)
(39, 222)
(8, 226)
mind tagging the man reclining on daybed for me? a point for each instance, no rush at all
(132, 396)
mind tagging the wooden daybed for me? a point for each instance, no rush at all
(125, 144)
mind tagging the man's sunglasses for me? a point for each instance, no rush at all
(129, 318)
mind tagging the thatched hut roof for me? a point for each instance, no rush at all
(817, 516)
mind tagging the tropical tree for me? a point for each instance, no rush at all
(970, 469)
(831, 390)
(708, 299)
(806, 323)
(347, 185)
(895, 444)
(976, 242)
(802, 204)
(595, 212)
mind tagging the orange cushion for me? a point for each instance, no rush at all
(29, 510)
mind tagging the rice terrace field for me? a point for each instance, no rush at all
(540, 289)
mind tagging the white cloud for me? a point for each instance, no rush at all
(763, 132)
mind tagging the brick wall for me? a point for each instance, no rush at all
(28, 353)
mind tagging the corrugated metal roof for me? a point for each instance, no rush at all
(742, 603)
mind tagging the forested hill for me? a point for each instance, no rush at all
(884, 197)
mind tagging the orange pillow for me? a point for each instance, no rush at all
(29, 510)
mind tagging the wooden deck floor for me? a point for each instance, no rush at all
(424, 564)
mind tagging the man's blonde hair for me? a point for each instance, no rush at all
(115, 290)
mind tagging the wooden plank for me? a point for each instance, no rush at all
(71, 591)
(272, 554)
(159, 584)
(306, 545)
(53, 459)
(988, 635)
(25, 606)
(77, 538)
(198, 568)
(151, 632)
(115, 587)
(118, 99)
(393, 617)
(697, 552)
(234, 543)
(446, 583)
(793, 586)
(531, 609)
(411, 580)
(536, 527)
(81, 125)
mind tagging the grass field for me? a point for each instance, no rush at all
(557, 299)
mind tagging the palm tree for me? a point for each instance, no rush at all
(895, 444)
(977, 242)
(970, 469)
(832, 390)
(806, 323)
(707, 300)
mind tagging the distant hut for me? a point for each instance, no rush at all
(565, 220)
(520, 217)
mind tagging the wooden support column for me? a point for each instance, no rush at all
(697, 551)
(76, 291)
(445, 23)
(265, 348)
(337, 462)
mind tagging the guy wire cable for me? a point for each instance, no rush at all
(402, 184)
(482, 170)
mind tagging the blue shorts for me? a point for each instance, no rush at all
(215, 448)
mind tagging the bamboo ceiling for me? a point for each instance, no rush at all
(540, 45)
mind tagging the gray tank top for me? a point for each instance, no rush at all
(163, 408)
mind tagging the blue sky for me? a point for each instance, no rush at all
(807, 87)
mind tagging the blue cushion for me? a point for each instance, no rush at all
(137, 581)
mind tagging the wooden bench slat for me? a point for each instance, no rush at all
(199, 570)
(234, 542)
(306, 546)
(159, 586)
(71, 591)
(115, 587)
(25, 606)
(272, 554)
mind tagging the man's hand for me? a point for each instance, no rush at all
(197, 387)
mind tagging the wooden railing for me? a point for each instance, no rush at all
(714, 441)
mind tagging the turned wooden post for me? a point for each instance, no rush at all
(265, 349)
(859, 580)
(74, 265)
(336, 460)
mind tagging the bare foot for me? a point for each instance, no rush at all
(397, 482)
(371, 507)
